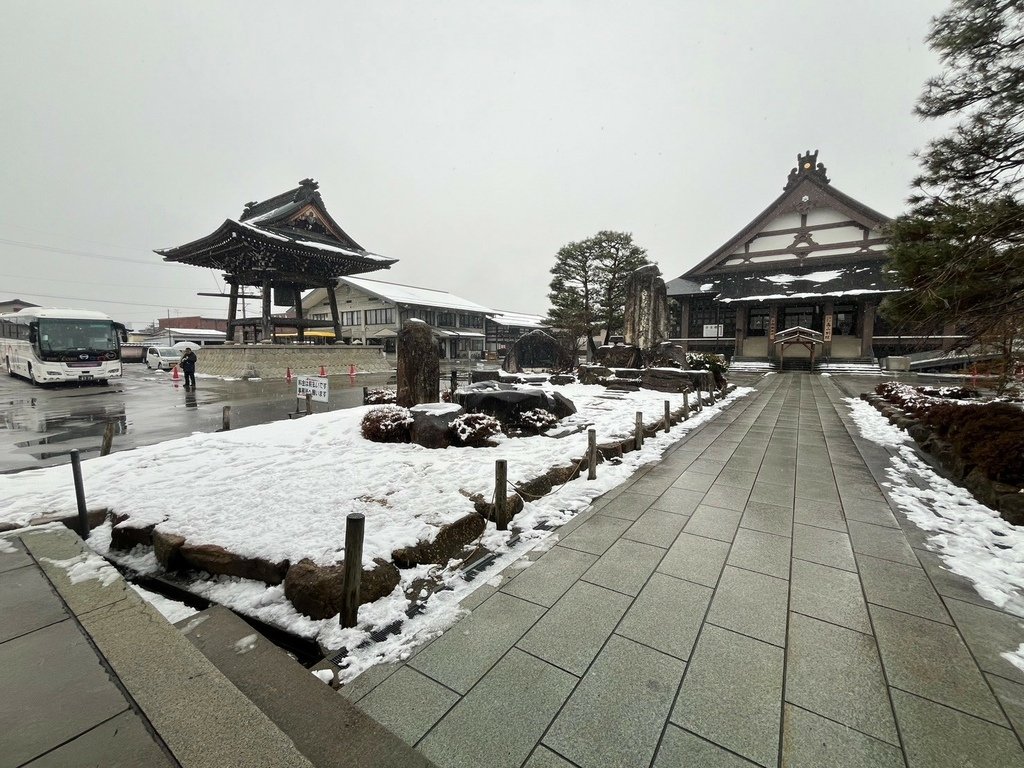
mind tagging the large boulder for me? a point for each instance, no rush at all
(167, 547)
(620, 356)
(537, 349)
(646, 311)
(316, 590)
(431, 423)
(505, 401)
(419, 368)
(592, 374)
(666, 380)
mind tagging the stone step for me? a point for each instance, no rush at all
(324, 726)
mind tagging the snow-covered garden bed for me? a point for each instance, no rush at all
(278, 494)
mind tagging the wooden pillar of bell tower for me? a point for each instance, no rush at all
(867, 329)
(300, 331)
(332, 297)
(265, 324)
(232, 307)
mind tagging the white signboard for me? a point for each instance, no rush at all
(714, 331)
(311, 385)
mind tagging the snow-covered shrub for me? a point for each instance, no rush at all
(708, 362)
(381, 397)
(475, 430)
(535, 421)
(446, 396)
(387, 424)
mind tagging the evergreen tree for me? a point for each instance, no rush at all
(960, 249)
(588, 284)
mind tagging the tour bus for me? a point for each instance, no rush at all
(49, 346)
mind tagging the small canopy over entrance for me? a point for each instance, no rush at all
(805, 337)
(281, 246)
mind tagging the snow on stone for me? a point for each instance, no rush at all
(970, 539)
(171, 610)
(1015, 657)
(246, 644)
(87, 566)
(6, 548)
(324, 675)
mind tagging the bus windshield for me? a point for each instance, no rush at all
(59, 338)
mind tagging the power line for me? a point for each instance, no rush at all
(87, 254)
(87, 282)
(112, 301)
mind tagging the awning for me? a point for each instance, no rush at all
(384, 333)
(467, 334)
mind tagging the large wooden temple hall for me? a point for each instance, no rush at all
(809, 268)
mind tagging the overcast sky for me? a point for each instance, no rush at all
(469, 140)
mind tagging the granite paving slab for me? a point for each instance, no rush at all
(691, 480)
(596, 534)
(682, 749)
(765, 553)
(667, 615)
(656, 527)
(695, 558)
(930, 660)
(625, 567)
(882, 542)
(571, 634)
(752, 604)
(408, 703)
(823, 546)
(550, 577)
(617, 712)
(27, 603)
(732, 694)
(821, 514)
(121, 742)
(678, 500)
(726, 496)
(935, 736)
(499, 721)
(628, 505)
(989, 633)
(1011, 697)
(900, 587)
(713, 523)
(835, 672)
(462, 656)
(829, 594)
(768, 518)
(812, 741)
(876, 512)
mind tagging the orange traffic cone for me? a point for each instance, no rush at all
(323, 371)
(175, 376)
(288, 374)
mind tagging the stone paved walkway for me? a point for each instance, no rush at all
(752, 599)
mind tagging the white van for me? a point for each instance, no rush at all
(162, 358)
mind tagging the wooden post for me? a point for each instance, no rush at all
(226, 419)
(638, 431)
(76, 475)
(711, 387)
(501, 494)
(108, 439)
(309, 404)
(591, 454)
(668, 415)
(455, 381)
(353, 568)
(686, 405)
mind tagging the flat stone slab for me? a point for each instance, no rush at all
(617, 713)
(752, 604)
(408, 704)
(550, 577)
(667, 615)
(829, 594)
(695, 559)
(811, 740)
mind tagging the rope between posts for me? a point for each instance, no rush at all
(523, 493)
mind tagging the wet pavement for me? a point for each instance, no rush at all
(40, 426)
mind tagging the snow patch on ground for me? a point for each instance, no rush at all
(325, 675)
(1015, 657)
(6, 548)
(246, 644)
(970, 539)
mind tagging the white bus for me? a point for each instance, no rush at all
(53, 345)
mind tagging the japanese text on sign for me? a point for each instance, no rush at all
(312, 385)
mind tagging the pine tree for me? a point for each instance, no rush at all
(960, 249)
(588, 284)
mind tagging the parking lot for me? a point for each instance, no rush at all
(39, 426)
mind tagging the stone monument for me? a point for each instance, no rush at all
(419, 365)
(646, 308)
